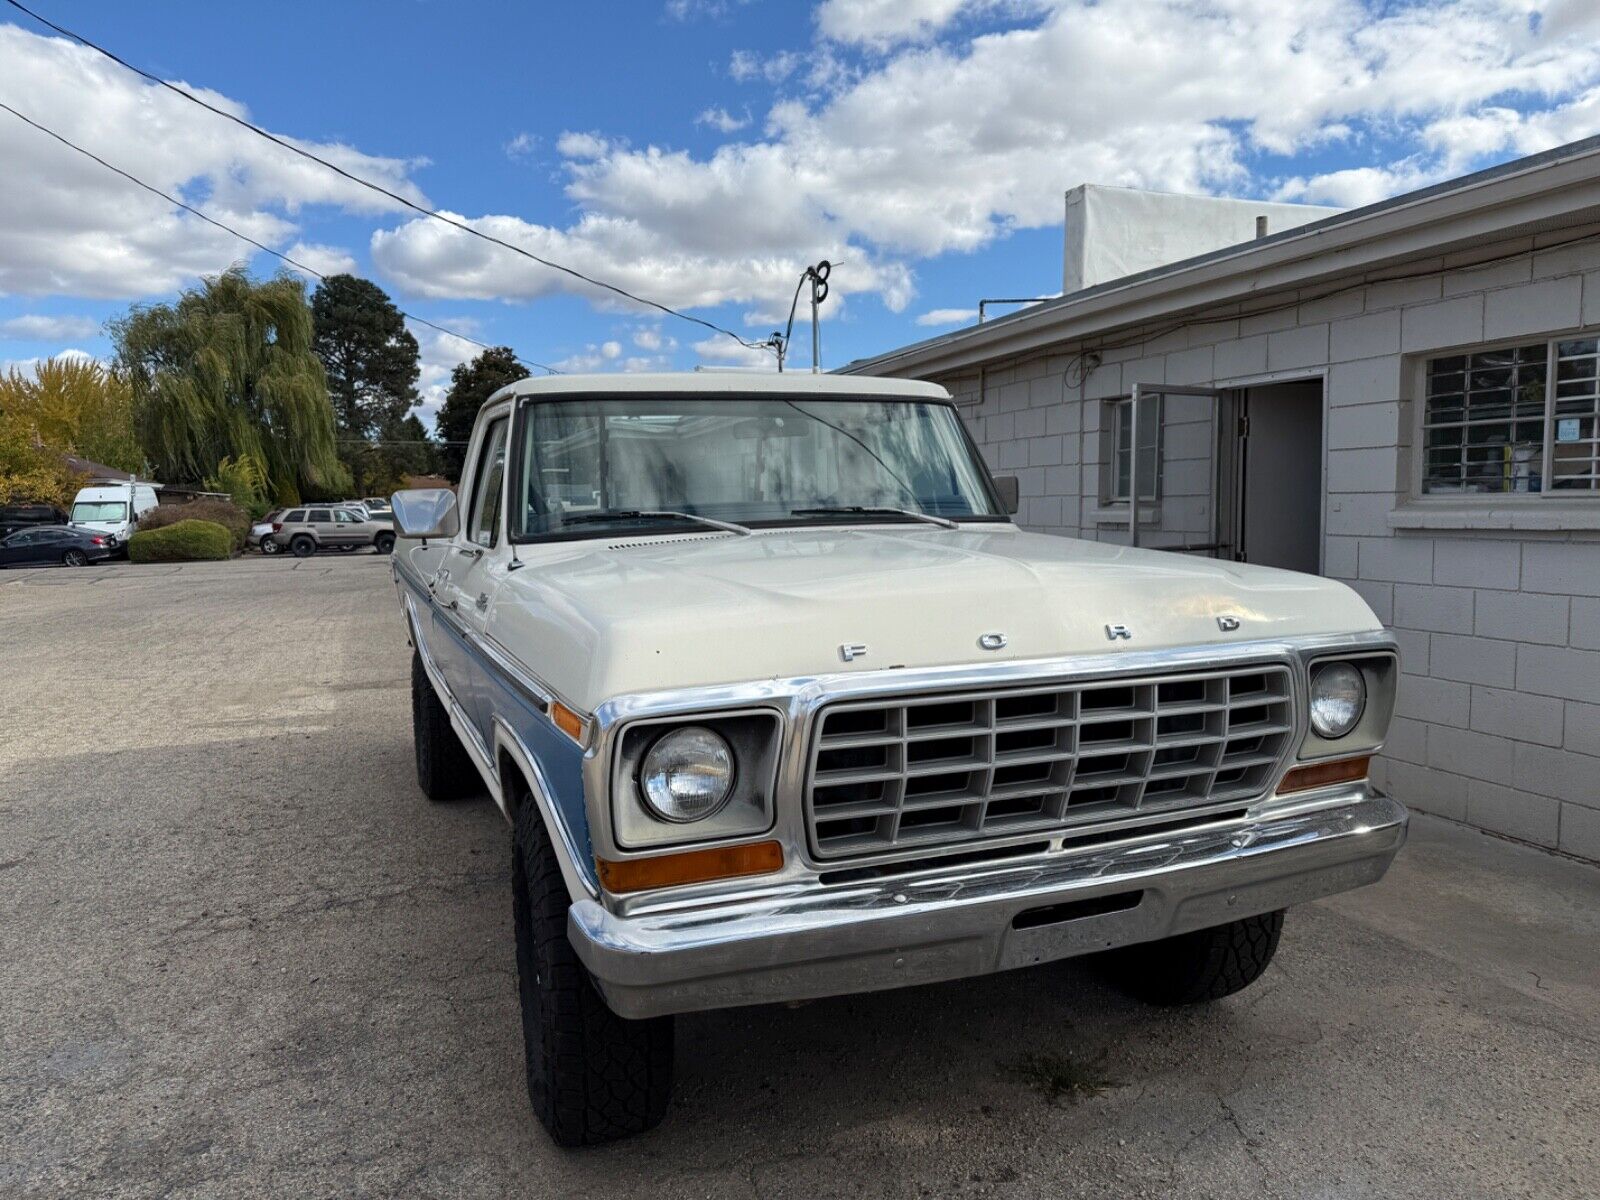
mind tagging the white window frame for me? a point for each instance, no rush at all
(1419, 428)
(1112, 494)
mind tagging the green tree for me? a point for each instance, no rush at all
(230, 370)
(75, 406)
(471, 383)
(371, 361)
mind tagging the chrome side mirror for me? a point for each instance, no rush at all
(1010, 493)
(426, 513)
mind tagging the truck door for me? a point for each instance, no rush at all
(477, 566)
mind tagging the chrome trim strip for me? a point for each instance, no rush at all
(944, 925)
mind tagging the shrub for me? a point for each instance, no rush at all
(244, 479)
(187, 541)
(219, 512)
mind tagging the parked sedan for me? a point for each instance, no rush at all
(45, 544)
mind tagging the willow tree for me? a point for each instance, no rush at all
(230, 371)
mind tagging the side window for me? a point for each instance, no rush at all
(319, 516)
(295, 517)
(483, 525)
(344, 518)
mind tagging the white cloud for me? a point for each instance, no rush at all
(38, 327)
(30, 366)
(746, 66)
(599, 357)
(522, 146)
(689, 10)
(669, 260)
(722, 120)
(941, 146)
(653, 340)
(68, 225)
(880, 22)
(721, 351)
(582, 145)
(325, 260)
(947, 316)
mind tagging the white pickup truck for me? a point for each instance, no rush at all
(780, 704)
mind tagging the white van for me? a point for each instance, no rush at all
(113, 508)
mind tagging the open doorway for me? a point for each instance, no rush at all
(1277, 475)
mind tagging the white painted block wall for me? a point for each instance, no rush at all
(1499, 710)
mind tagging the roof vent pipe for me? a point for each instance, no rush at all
(1261, 225)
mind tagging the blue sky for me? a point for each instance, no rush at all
(702, 151)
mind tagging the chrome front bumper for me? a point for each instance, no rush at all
(860, 937)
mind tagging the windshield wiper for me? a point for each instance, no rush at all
(862, 510)
(648, 514)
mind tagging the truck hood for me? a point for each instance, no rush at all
(598, 619)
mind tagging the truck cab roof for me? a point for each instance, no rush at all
(789, 385)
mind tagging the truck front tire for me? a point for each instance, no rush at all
(444, 769)
(1193, 968)
(593, 1077)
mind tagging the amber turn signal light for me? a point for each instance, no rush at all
(569, 722)
(1345, 770)
(690, 866)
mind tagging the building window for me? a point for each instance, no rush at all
(1119, 424)
(1492, 424)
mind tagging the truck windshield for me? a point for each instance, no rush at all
(592, 466)
(98, 510)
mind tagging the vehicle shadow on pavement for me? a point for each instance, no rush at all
(267, 964)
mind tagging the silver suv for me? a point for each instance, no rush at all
(304, 531)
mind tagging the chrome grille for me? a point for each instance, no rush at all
(964, 766)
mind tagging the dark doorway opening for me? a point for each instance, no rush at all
(1277, 475)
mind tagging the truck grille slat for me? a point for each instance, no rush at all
(960, 767)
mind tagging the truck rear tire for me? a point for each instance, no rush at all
(303, 546)
(593, 1077)
(445, 771)
(1193, 968)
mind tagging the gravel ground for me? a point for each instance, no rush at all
(241, 956)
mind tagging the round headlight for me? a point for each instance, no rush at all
(1338, 696)
(687, 775)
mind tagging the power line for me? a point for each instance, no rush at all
(383, 191)
(210, 220)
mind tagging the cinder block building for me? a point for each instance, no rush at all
(1404, 397)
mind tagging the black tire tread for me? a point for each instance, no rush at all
(593, 1077)
(445, 771)
(1194, 968)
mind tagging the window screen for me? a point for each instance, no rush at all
(1483, 428)
(1575, 441)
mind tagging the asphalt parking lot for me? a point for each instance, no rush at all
(240, 955)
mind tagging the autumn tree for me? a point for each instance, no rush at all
(74, 406)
